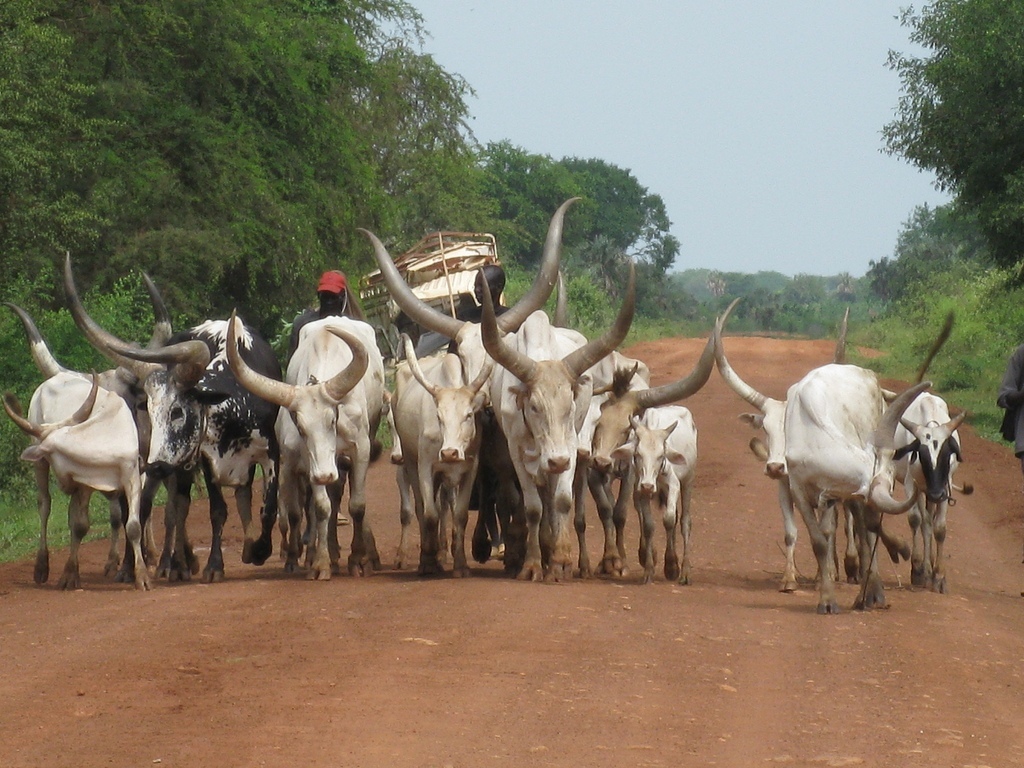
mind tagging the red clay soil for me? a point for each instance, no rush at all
(269, 669)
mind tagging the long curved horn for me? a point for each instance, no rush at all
(41, 355)
(590, 353)
(947, 328)
(546, 277)
(271, 390)
(414, 366)
(103, 342)
(187, 359)
(561, 317)
(840, 354)
(342, 382)
(418, 310)
(481, 378)
(880, 498)
(518, 364)
(685, 387)
(13, 408)
(162, 330)
(736, 384)
(885, 432)
(85, 409)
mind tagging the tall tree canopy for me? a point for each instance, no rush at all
(232, 146)
(961, 114)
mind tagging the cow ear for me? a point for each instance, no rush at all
(675, 457)
(481, 399)
(755, 420)
(33, 453)
(911, 449)
(624, 452)
(758, 448)
(519, 392)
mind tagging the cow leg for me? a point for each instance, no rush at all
(118, 518)
(214, 570)
(620, 512)
(460, 519)
(789, 583)
(182, 562)
(868, 524)
(119, 506)
(852, 563)
(821, 533)
(559, 565)
(335, 492)
(680, 499)
(320, 566)
(292, 508)
(243, 503)
(645, 552)
(41, 572)
(405, 515)
(938, 515)
(600, 489)
(150, 485)
(580, 516)
(263, 547)
(78, 524)
(429, 523)
(915, 517)
(364, 546)
(532, 567)
(444, 523)
(133, 525)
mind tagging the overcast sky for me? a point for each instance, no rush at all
(759, 123)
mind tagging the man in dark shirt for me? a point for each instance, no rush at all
(332, 290)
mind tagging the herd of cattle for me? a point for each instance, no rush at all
(525, 418)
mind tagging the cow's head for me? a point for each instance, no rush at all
(313, 407)
(650, 453)
(547, 389)
(937, 448)
(457, 407)
(770, 416)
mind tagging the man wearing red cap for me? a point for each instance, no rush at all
(334, 300)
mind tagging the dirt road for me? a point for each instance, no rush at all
(391, 670)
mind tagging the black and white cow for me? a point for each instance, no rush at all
(200, 415)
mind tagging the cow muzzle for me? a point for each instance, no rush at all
(451, 455)
(776, 470)
(556, 465)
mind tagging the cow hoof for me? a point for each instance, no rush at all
(612, 566)
(917, 578)
(355, 568)
(939, 585)
(829, 608)
(648, 577)
(260, 552)
(684, 579)
(142, 582)
(113, 566)
(291, 566)
(213, 575)
(672, 571)
(558, 572)
(460, 572)
(41, 574)
(530, 572)
(123, 576)
(69, 580)
(319, 574)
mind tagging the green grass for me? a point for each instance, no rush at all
(19, 523)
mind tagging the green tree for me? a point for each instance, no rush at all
(961, 114)
(931, 241)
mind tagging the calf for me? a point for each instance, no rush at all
(663, 451)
